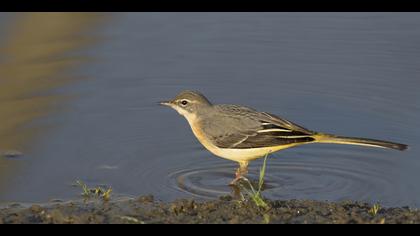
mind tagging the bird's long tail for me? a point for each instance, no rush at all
(328, 138)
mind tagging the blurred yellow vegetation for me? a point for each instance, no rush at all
(35, 57)
(33, 60)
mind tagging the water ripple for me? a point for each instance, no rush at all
(288, 179)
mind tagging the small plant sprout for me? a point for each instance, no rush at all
(255, 195)
(86, 193)
(375, 209)
(97, 192)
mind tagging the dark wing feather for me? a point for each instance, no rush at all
(243, 127)
(285, 123)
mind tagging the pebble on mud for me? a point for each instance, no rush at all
(36, 208)
(11, 154)
(146, 199)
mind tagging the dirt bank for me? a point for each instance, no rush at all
(225, 210)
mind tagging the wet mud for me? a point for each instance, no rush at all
(147, 210)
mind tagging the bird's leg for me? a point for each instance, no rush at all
(240, 172)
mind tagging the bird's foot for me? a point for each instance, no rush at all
(236, 180)
(239, 175)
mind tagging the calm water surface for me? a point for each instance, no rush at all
(93, 86)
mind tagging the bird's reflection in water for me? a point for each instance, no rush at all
(213, 182)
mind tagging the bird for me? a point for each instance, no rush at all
(243, 134)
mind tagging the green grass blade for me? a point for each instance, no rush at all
(262, 174)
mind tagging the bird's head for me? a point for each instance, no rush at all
(188, 103)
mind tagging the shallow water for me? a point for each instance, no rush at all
(354, 74)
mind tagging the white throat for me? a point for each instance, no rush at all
(191, 118)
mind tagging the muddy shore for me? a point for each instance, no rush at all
(146, 210)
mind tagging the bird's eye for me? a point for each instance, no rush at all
(184, 102)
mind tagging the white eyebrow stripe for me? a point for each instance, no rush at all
(274, 130)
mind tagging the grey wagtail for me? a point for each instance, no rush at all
(243, 134)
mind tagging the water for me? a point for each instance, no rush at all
(354, 74)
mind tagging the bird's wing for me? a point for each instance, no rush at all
(277, 121)
(243, 127)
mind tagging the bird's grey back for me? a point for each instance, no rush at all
(234, 126)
